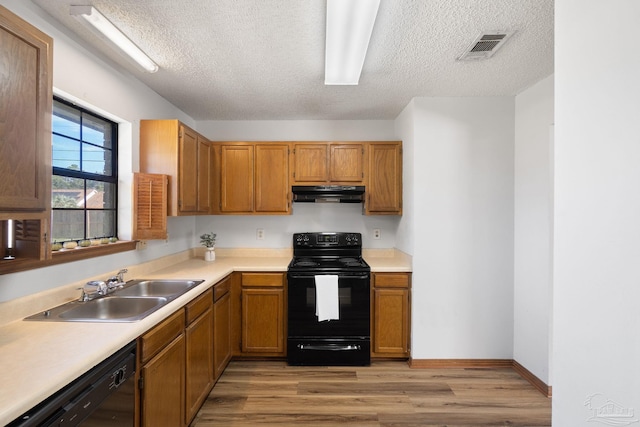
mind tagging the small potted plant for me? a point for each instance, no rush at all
(208, 240)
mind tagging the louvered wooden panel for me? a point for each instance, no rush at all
(27, 230)
(150, 206)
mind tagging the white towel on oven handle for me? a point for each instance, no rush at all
(327, 302)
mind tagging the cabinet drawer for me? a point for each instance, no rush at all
(391, 280)
(262, 279)
(199, 305)
(221, 289)
(158, 337)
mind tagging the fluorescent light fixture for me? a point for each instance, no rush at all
(98, 22)
(349, 26)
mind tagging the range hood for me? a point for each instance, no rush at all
(328, 193)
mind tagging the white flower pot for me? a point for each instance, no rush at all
(210, 254)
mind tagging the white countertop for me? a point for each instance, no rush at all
(39, 358)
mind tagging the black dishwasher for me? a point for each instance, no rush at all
(104, 396)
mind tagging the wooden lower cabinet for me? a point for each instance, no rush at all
(221, 326)
(390, 331)
(162, 373)
(262, 320)
(176, 365)
(199, 353)
(180, 359)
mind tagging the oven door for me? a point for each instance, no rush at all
(354, 308)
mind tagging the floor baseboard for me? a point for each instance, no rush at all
(483, 363)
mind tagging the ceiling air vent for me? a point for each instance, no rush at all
(485, 45)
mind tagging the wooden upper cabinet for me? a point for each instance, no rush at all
(328, 163)
(346, 163)
(26, 55)
(187, 169)
(310, 163)
(384, 179)
(205, 166)
(171, 148)
(253, 178)
(272, 179)
(236, 183)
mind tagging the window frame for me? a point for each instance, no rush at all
(111, 178)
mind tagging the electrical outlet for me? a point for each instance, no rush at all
(142, 245)
(260, 234)
(166, 240)
(376, 233)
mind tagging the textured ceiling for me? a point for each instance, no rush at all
(264, 59)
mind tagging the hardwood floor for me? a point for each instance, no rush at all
(385, 394)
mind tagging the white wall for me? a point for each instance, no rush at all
(405, 129)
(240, 231)
(83, 77)
(463, 227)
(596, 284)
(533, 229)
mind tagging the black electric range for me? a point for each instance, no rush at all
(344, 340)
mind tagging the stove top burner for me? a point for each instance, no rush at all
(309, 264)
(327, 253)
(305, 262)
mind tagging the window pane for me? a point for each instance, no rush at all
(67, 225)
(65, 153)
(84, 207)
(66, 120)
(66, 192)
(100, 195)
(96, 131)
(100, 224)
(96, 160)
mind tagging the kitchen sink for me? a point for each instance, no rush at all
(135, 301)
(113, 309)
(157, 288)
(105, 309)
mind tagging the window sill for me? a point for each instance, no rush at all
(67, 255)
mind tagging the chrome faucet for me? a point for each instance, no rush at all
(98, 288)
(92, 290)
(116, 281)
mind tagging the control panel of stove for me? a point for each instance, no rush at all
(326, 239)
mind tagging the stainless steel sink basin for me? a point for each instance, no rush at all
(135, 301)
(114, 309)
(157, 288)
(107, 309)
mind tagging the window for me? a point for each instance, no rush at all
(84, 185)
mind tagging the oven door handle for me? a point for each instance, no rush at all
(340, 276)
(330, 347)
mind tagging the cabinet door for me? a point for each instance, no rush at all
(310, 163)
(384, 187)
(263, 320)
(346, 163)
(149, 206)
(25, 115)
(272, 178)
(162, 395)
(391, 320)
(199, 362)
(204, 175)
(221, 334)
(188, 170)
(236, 187)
